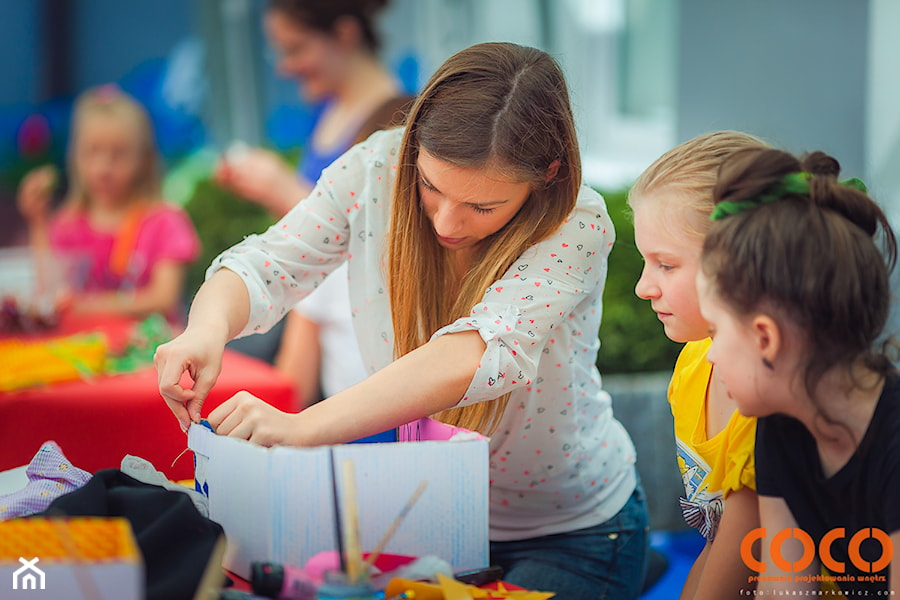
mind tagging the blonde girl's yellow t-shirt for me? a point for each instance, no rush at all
(711, 468)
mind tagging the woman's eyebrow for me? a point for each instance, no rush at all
(483, 204)
(435, 188)
(425, 178)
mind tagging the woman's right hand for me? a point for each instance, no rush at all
(201, 359)
(35, 194)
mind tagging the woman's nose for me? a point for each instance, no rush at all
(446, 219)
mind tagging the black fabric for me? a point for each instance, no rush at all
(176, 541)
(864, 493)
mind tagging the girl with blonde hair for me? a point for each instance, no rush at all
(671, 203)
(127, 250)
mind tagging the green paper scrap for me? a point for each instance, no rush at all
(138, 353)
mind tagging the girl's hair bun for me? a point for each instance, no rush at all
(819, 163)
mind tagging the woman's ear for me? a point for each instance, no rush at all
(552, 170)
(768, 338)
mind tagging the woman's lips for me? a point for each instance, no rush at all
(450, 241)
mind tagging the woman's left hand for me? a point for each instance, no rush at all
(247, 417)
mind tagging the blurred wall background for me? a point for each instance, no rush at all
(645, 74)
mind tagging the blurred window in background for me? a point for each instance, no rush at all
(619, 56)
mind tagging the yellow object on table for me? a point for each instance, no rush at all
(30, 363)
(86, 539)
(78, 558)
(451, 589)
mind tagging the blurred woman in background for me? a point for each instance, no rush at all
(330, 48)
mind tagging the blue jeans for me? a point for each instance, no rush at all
(606, 561)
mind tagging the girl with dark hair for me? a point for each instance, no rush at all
(477, 261)
(794, 285)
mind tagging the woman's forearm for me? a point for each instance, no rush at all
(221, 307)
(429, 379)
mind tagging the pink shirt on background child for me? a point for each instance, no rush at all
(165, 233)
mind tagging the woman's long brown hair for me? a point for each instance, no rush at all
(494, 105)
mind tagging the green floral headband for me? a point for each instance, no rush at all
(792, 183)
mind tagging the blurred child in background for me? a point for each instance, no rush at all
(126, 251)
(671, 202)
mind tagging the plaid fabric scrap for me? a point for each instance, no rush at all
(50, 475)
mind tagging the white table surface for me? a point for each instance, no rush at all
(13, 480)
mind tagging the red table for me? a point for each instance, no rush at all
(97, 422)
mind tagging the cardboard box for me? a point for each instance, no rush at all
(78, 558)
(276, 504)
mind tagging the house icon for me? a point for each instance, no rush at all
(28, 575)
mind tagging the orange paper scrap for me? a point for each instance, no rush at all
(77, 558)
(451, 589)
(85, 539)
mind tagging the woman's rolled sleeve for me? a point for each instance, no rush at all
(502, 367)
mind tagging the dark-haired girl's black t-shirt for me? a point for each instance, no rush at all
(865, 493)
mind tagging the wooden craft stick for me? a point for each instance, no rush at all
(350, 519)
(373, 556)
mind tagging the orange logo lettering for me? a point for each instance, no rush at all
(809, 550)
(746, 553)
(887, 550)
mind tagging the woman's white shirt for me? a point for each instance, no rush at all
(559, 461)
